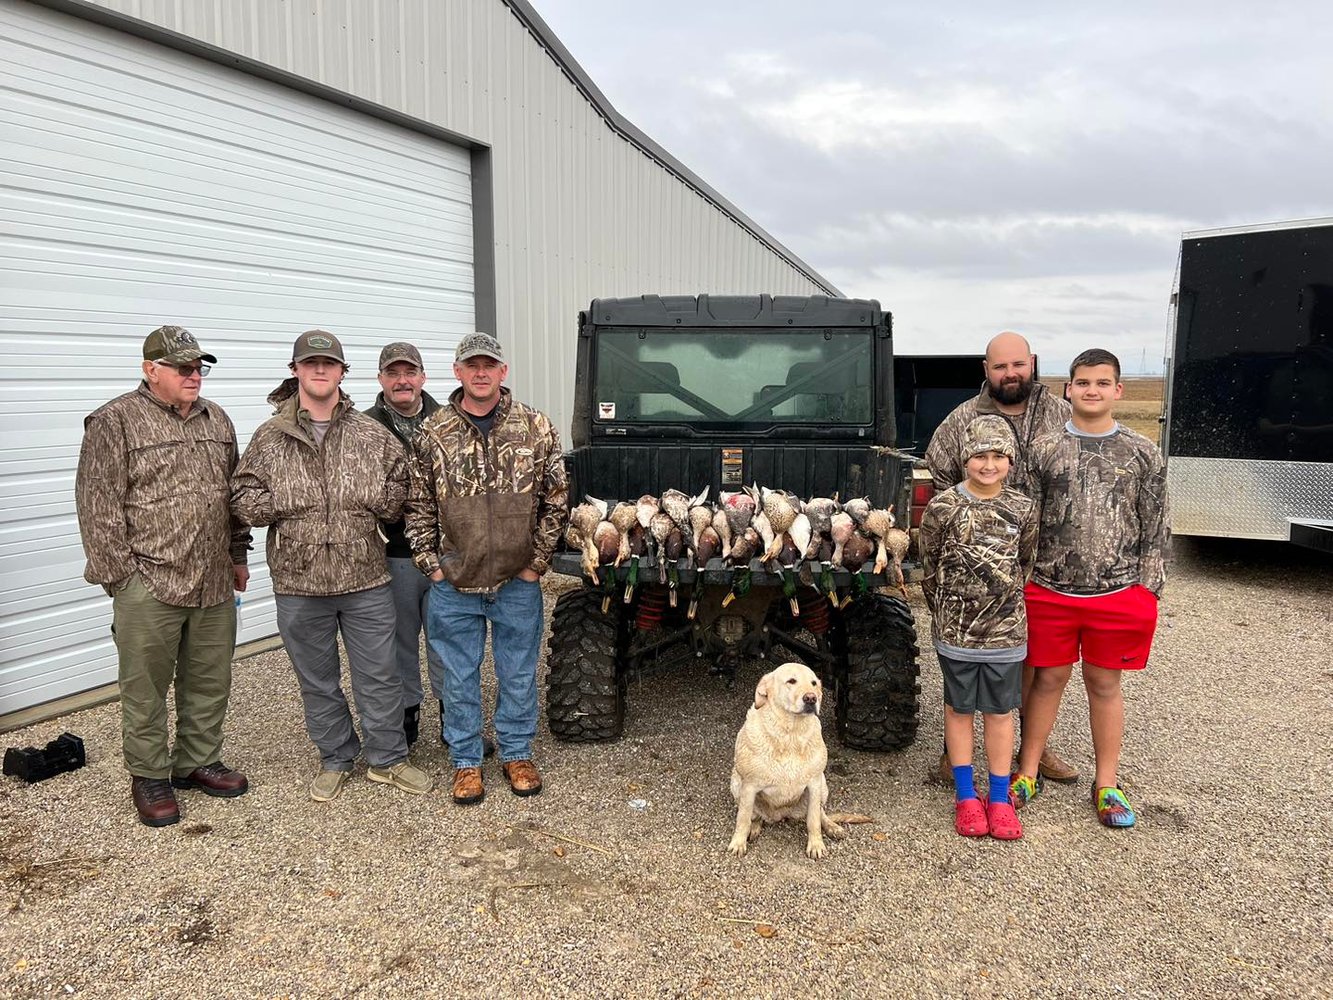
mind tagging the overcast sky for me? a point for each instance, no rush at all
(977, 167)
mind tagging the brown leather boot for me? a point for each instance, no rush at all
(1053, 768)
(523, 777)
(214, 779)
(155, 801)
(468, 789)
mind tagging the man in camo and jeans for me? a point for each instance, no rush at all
(486, 508)
(151, 494)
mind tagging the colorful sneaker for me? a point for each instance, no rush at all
(1024, 788)
(1004, 822)
(969, 818)
(1113, 808)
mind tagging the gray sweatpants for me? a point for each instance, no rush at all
(411, 593)
(309, 627)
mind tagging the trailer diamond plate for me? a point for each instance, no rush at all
(1241, 498)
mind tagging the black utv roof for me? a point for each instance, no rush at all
(735, 311)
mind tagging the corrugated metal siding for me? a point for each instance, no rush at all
(138, 186)
(580, 211)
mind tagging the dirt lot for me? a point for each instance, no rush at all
(1223, 889)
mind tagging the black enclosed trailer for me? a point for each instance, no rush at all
(1248, 418)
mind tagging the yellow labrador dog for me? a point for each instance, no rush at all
(780, 759)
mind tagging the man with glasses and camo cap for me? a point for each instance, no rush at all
(151, 492)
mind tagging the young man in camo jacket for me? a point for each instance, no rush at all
(321, 476)
(151, 493)
(487, 505)
(1101, 566)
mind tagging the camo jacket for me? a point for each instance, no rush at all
(481, 508)
(976, 555)
(1045, 414)
(322, 504)
(396, 531)
(1103, 512)
(151, 494)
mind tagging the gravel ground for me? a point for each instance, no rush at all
(1223, 889)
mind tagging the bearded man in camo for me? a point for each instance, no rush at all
(486, 507)
(151, 493)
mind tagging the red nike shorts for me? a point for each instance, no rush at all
(1113, 631)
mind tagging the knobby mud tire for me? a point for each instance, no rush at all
(585, 690)
(879, 684)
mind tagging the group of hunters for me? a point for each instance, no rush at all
(1044, 547)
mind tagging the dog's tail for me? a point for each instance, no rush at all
(850, 817)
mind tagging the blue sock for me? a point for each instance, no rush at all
(962, 782)
(999, 788)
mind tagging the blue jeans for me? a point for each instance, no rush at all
(456, 630)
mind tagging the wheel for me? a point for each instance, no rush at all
(585, 690)
(878, 683)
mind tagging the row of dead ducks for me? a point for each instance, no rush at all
(787, 534)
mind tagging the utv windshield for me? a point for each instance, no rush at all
(747, 376)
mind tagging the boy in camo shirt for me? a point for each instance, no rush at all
(1101, 566)
(977, 545)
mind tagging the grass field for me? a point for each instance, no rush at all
(1139, 408)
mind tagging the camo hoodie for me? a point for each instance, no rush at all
(323, 504)
(976, 555)
(1045, 414)
(1103, 512)
(481, 508)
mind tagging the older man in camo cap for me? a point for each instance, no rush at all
(402, 406)
(151, 493)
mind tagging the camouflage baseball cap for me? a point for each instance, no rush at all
(988, 433)
(400, 351)
(475, 345)
(317, 344)
(174, 344)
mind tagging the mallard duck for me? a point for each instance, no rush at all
(841, 527)
(781, 510)
(722, 526)
(646, 507)
(660, 526)
(819, 511)
(858, 508)
(625, 517)
(677, 507)
(700, 516)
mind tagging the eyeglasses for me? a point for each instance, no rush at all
(186, 370)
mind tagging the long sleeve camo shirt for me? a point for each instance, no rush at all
(484, 507)
(322, 503)
(976, 555)
(1104, 523)
(1045, 414)
(151, 493)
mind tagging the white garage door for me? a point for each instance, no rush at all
(141, 186)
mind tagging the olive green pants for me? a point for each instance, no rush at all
(158, 643)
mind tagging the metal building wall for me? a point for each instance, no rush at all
(581, 208)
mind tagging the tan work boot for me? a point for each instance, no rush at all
(1054, 768)
(945, 772)
(402, 776)
(523, 777)
(468, 789)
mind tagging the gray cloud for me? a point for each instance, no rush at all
(1036, 163)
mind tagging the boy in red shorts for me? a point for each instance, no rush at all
(1101, 566)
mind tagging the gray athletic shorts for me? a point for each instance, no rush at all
(993, 688)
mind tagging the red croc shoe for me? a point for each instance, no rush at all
(969, 818)
(1004, 822)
